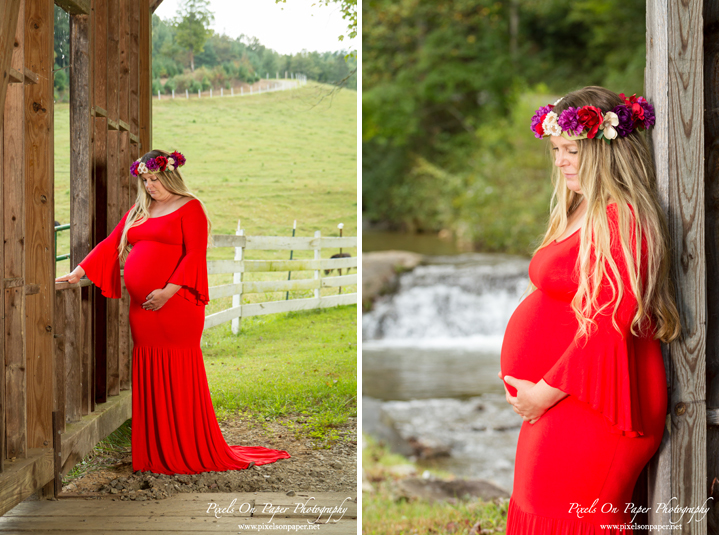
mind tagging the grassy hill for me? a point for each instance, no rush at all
(267, 160)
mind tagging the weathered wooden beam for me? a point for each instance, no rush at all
(12, 253)
(80, 139)
(74, 7)
(22, 477)
(145, 77)
(711, 184)
(81, 437)
(114, 199)
(30, 77)
(135, 140)
(9, 10)
(123, 103)
(674, 85)
(15, 76)
(39, 218)
(99, 193)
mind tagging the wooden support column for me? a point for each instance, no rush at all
(711, 183)
(674, 85)
(114, 204)
(12, 255)
(9, 10)
(145, 27)
(123, 320)
(39, 220)
(99, 195)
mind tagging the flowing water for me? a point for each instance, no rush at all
(430, 359)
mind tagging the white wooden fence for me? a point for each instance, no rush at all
(241, 265)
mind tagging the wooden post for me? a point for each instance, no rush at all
(99, 195)
(318, 256)
(114, 192)
(237, 279)
(59, 377)
(80, 139)
(711, 173)
(9, 11)
(123, 321)
(12, 255)
(145, 78)
(40, 217)
(674, 85)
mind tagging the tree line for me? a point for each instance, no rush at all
(187, 54)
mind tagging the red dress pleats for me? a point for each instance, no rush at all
(174, 426)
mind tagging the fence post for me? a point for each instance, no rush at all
(318, 256)
(237, 279)
(232, 91)
(173, 93)
(199, 95)
(242, 91)
(187, 94)
(210, 92)
(158, 94)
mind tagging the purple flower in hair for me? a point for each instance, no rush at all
(152, 165)
(648, 112)
(568, 121)
(133, 168)
(626, 123)
(538, 119)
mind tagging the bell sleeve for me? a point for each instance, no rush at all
(601, 369)
(191, 271)
(102, 264)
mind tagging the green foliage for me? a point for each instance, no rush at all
(156, 86)
(448, 93)
(61, 81)
(170, 86)
(192, 26)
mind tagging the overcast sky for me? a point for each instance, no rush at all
(286, 28)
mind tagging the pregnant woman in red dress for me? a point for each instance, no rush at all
(581, 358)
(174, 427)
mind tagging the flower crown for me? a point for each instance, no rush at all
(590, 122)
(157, 164)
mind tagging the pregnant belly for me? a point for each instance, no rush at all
(537, 334)
(148, 267)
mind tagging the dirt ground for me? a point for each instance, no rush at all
(320, 470)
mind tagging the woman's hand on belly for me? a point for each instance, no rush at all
(157, 298)
(532, 399)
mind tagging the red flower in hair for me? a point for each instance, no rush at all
(634, 104)
(161, 162)
(591, 117)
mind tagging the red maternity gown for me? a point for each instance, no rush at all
(590, 447)
(174, 427)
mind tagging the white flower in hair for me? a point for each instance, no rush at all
(610, 121)
(550, 125)
(170, 164)
(142, 169)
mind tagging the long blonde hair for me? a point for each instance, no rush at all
(173, 182)
(623, 173)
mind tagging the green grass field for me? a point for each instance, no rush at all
(266, 160)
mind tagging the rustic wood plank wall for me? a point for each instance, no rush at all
(12, 256)
(711, 185)
(675, 86)
(40, 217)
